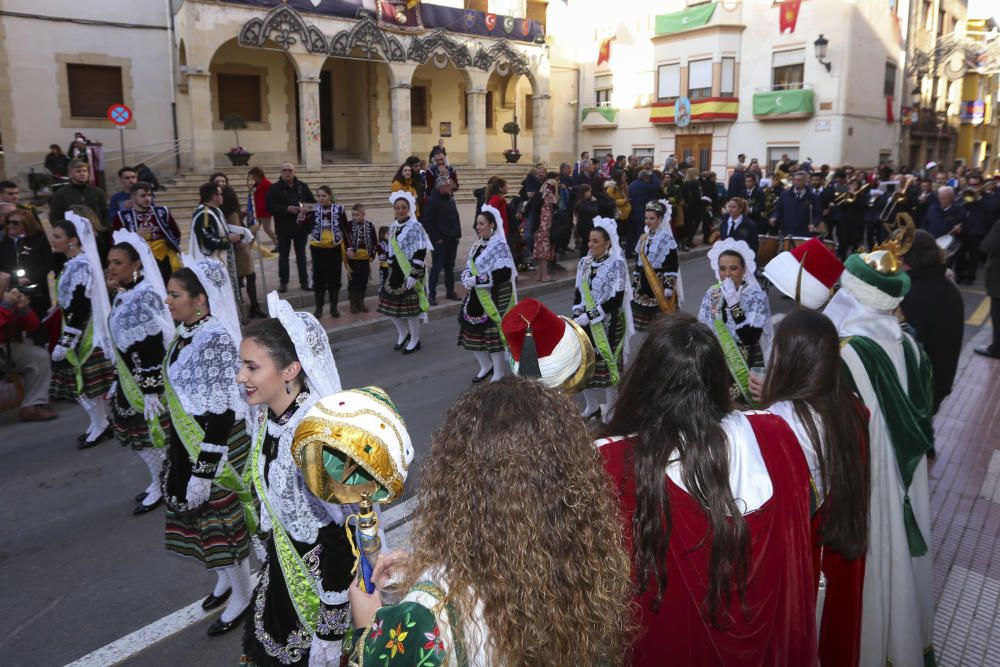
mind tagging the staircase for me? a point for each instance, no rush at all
(351, 183)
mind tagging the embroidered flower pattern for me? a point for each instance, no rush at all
(396, 639)
(434, 641)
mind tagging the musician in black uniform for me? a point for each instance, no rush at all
(982, 210)
(755, 201)
(797, 210)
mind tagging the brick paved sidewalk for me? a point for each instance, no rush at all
(965, 514)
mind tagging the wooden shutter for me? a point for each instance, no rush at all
(239, 93)
(418, 106)
(92, 89)
(529, 113)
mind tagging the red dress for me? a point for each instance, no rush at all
(779, 627)
(499, 203)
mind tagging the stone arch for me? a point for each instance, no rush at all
(368, 39)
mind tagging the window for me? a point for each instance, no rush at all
(774, 154)
(489, 109)
(529, 113)
(928, 15)
(699, 79)
(788, 69)
(728, 86)
(668, 82)
(643, 153)
(239, 93)
(890, 80)
(418, 106)
(603, 85)
(92, 89)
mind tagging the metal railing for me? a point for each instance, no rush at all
(784, 86)
(162, 155)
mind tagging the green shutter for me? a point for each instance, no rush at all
(693, 17)
(778, 102)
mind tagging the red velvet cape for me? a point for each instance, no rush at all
(779, 627)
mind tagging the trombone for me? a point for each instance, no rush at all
(895, 201)
(848, 198)
(972, 195)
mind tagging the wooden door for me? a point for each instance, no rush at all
(697, 147)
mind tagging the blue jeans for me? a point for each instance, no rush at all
(443, 258)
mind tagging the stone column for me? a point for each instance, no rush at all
(200, 100)
(541, 131)
(476, 101)
(309, 129)
(402, 139)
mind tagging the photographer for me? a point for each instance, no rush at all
(26, 255)
(31, 362)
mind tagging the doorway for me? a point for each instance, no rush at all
(326, 110)
(696, 148)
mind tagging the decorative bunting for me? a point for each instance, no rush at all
(788, 15)
(889, 117)
(604, 54)
(491, 22)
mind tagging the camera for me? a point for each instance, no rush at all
(27, 290)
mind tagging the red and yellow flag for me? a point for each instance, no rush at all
(788, 15)
(604, 54)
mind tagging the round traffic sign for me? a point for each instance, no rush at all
(119, 114)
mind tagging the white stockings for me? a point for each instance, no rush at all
(400, 329)
(153, 458)
(242, 585)
(97, 410)
(414, 325)
(484, 362)
(499, 365)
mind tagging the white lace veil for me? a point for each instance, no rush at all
(98, 294)
(312, 345)
(617, 254)
(214, 280)
(499, 238)
(740, 248)
(151, 275)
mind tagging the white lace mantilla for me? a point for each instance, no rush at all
(611, 277)
(301, 513)
(135, 316)
(75, 272)
(495, 255)
(753, 301)
(411, 237)
(204, 374)
(658, 246)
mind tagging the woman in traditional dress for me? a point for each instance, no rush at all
(517, 550)
(287, 366)
(656, 280)
(737, 309)
(805, 386)
(141, 325)
(82, 370)
(715, 506)
(209, 443)
(489, 289)
(602, 288)
(403, 298)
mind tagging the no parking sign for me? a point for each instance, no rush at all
(119, 114)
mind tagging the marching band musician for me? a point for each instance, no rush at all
(797, 210)
(755, 201)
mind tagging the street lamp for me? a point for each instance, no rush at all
(821, 45)
(915, 96)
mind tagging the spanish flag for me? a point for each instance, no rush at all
(789, 15)
(604, 54)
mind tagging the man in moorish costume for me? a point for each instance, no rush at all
(156, 225)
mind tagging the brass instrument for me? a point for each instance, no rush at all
(848, 198)
(887, 256)
(972, 195)
(895, 200)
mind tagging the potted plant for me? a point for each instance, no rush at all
(513, 129)
(238, 156)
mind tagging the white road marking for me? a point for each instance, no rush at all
(394, 519)
(990, 489)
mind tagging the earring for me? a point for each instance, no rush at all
(288, 388)
(197, 312)
(135, 276)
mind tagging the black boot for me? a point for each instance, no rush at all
(255, 311)
(333, 304)
(318, 311)
(361, 301)
(353, 296)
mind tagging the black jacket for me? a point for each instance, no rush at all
(745, 231)
(441, 218)
(935, 310)
(990, 246)
(34, 255)
(794, 214)
(280, 196)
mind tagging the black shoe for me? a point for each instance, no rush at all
(87, 444)
(453, 297)
(141, 509)
(318, 312)
(221, 628)
(282, 288)
(399, 346)
(82, 437)
(334, 312)
(306, 287)
(211, 602)
(432, 301)
(408, 350)
(988, 352)
(139, 497)
(478, 379)
(256, 313)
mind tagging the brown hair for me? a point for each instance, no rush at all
(518, 513)
(742, 203)
(32, 228)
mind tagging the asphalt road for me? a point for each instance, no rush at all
(79, 571)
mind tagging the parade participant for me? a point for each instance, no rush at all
(212, 237)
(140, 326)
(202, 486)
(326, 222)
(991, 248)
(241, 249)
(507, 567)
(738, 224)
(156, 225)
(656, 279)
(81, 368)
(362, 246)
(403, 298)
(737, 310)
(286, 368)
(715, 506)
(982, 211)
(26, 255)
(797, 211)
(804, 386)
(891, 374)
(383, 256)
(488, 278)
(756, 202)
(807, 273)
(258, 186)
(694, 208)
(602, 288)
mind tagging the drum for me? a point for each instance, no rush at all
(768, 248)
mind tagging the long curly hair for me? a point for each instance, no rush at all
(517, 513)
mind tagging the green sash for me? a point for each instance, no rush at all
(297, 578)
(486, 299)
(78, 359)
(907, 415)
(135, 399)
(191, 435)
(407, 268)
(734, 359)
(601, 341)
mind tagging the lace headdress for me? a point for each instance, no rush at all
(312, 345)
(214, 280)
(151, 275)
(97, 293)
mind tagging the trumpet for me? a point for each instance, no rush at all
(848, 198)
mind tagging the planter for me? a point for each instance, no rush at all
(512, 157)
(239, 159)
